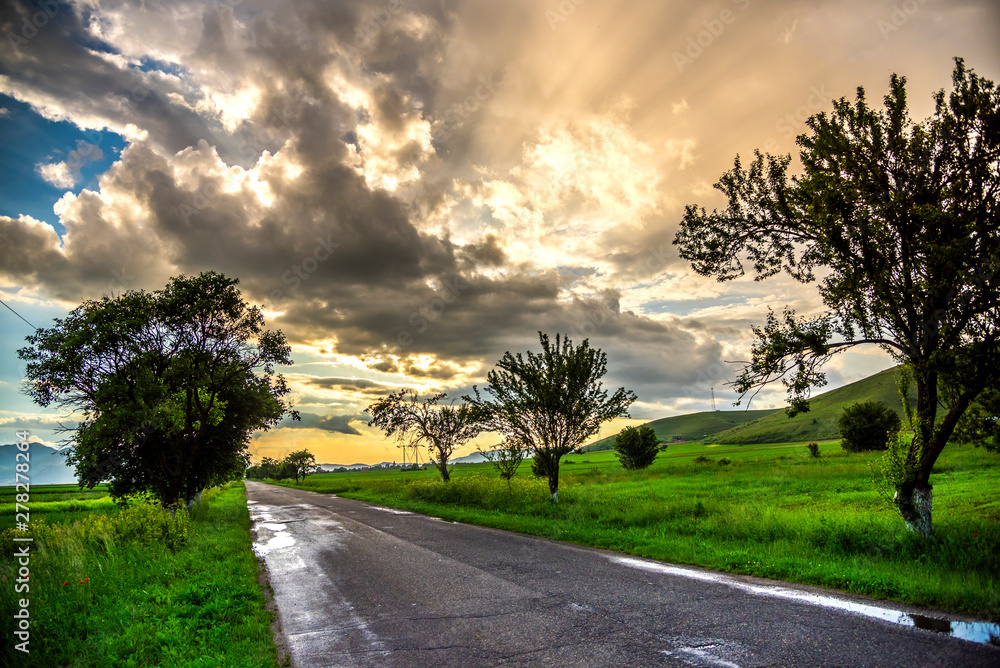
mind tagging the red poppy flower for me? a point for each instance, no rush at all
(65, 583)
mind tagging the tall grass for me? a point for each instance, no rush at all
(142, 587)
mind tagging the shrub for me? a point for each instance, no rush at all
(506, 458)
(867, 425)
(813, 449)
(724, 462)
(701, 459)
(636, 448)
(151, 525)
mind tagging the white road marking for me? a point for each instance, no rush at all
(702, 657)
(865, 609)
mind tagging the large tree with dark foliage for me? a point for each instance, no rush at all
(304, 463)
(550, 402)
(170, 384)
(900, 220)
(440, 428)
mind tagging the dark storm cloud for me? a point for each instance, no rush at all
(362, 385)
(339, 424)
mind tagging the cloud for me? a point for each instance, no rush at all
(38, 422)
(66, 174)
(339, 424)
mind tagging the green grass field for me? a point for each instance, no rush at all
(136, 587)
(769, 510)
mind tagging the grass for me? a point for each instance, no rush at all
(137, 587)
(771, 511)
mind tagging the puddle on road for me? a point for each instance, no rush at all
(273, 535)
(981, 632)
(273, 526)
(988, 634)
(280, 540)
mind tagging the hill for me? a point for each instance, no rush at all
(821, 420)
(691, 427)
(773, 425)
(47, 466)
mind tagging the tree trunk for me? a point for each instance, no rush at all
(443, 466)
(193, 500)
(553, 466)
(914, 502)
(914, 497)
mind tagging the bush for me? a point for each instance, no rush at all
(813, 449)
(725, 461)
(636, 448)
(867, 425)
(701, 459)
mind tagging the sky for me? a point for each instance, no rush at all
(411, 188)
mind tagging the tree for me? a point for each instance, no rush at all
(267, 467)
(170, 385)
(902, 218)
(439, 428)
(980, 425)
(636, 448)
(506, 458)
(285, 470)
(867, 425)
(550, 402)
(304, 463)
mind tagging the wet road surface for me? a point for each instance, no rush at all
(362, 585)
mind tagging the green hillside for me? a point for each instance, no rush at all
(773, 425)
(821, 420)
(691, 427)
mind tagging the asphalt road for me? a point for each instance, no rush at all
(361, 585)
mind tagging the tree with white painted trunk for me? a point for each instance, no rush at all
(551, 402)
(901, 218)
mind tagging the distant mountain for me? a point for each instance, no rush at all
(774, 425)
(474, 458)
(47, 466)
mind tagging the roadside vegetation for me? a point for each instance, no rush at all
(136, 586)
(772, 511)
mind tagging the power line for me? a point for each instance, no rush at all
(17, 314)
